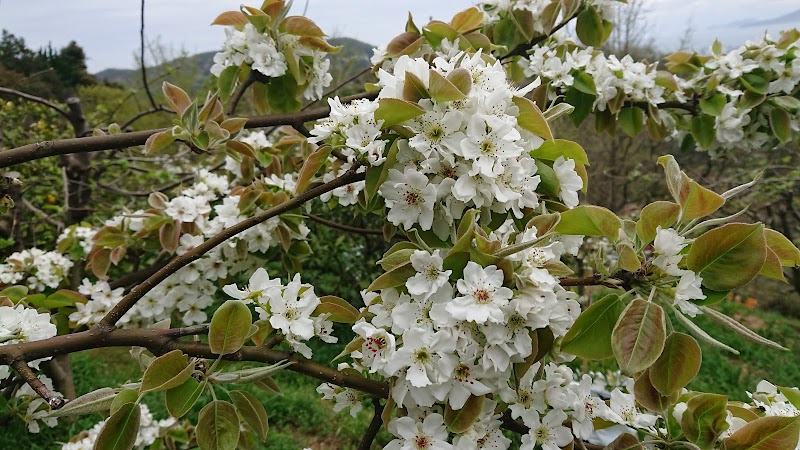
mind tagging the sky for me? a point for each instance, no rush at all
(108, 30)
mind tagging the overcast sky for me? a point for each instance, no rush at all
(108, 30)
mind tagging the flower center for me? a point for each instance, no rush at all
(435, 133)
(422, 442)
(376, 344)
(542, 434)
(432, 272)
(487, 147)
(482, 296)
(413, 198)
(462, 374)
(422, 355)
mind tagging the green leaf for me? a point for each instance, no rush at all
(252, 411)
(704, 419)
(631, 120)
(181, 399)
(590, 335)
(15, 293)
(678, 364)
(282, 94)
(713, 105)
(531, 118)
(781, 123)
(625, 441)
(766, 433)
(63, 297)
(394, 111)
(120, 430)
(703, 130)
(660, 213)
(340, 311)
(582, 102)
(414, 89)
(584, 82)
(229, 327)
(589, 27)
(786, 251)
(122, 398)
(310, 167)
(441, 89)
(550, 150)
(166, 372)
(460, 420)
(755, 83)
(639, 336)
(695, 200)
(218, 427)
(301, 26)
(786, 102)
(95, 401)
(177, 98)
(226, 82)
(393, 278)
(158, 141)
(729, 256)
(589, 220)
(649, 397)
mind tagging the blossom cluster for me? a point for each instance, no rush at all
(33, 408)
(667, 247)
(464, 153)
(207, 207)
(494, 10)
(268, 55)
(610, 75)
(36, 268)
(288, 309)
(21, 324)
(150, 429)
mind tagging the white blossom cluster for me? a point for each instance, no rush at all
(81, 235)
(739, 123)
(288, 308)
(467, 153)
(149, 430)
(667, 246)
(36, 269)
(20, 324)
(268, 56)
(610, 75)
(209, 207)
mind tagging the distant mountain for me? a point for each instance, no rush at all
(194, 70)
(792, 18)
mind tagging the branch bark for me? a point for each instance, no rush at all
(89, 144)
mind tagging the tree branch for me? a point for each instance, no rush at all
(374, 426)
(55, 401)
(138, 116)
(159, 341)
(35, 99)
(343, 227)
(141, 62)
(56, 223)
(522, 49)
(89, 144)
(108, 322)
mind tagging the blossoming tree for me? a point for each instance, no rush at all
(467, 332)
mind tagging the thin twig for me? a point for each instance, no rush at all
(373, 428)
(141, 62)
(338, 86)
(522, 49)
(138, 116)
(35, 99)
(343, 227)
(47, 218)
(54, 401)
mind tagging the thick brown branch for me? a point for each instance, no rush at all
(127, 302)
(55, 401)
(161, 341)
(45, 149)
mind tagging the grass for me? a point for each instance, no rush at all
(298, 419)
